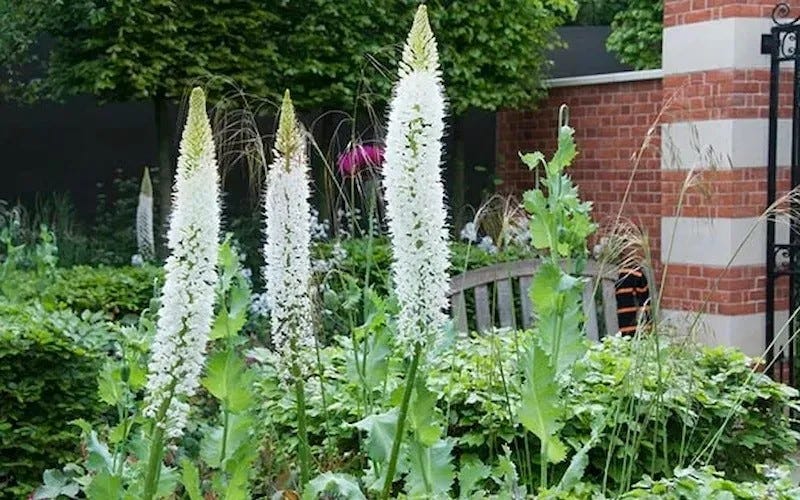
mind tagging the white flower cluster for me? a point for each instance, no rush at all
(287, 251)
(324, 266)
(187, 301)
(469, 232)
(319, 228)
(487, 245)
(412, 178)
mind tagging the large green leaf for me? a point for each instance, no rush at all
(565, 153)
(99, 459)
(544, 289)
(472, 472)
(431, 472)
(540, 409)
(422, 414)
(190, 479)
(104, 486)
(380, 429)
(572, 343)
(229, 381)
(110, 386)
(343, 486)
(239, 433)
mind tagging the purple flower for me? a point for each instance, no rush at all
(358, 158)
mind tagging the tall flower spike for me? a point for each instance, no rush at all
(412, 176)
(187, 298)
(287, 252)
(144, 218)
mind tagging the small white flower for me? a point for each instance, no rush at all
(187, 299)
(338, 253)
(247, 274)
(469, 232)
(259, 305)
(487, 245)
(412, 177)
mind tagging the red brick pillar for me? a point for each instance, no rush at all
(716, 83)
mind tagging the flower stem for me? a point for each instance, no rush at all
(401, 420)
(154, 462)
(302, 432)
(157, 446)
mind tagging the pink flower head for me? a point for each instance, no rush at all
(358, 158)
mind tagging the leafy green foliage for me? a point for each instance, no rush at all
(354, 49)
(37, 402)
(120, 50)
(117, 291)
(676, 399)
(560, 225)
(636, 33)
(609, 400)
(708, 483)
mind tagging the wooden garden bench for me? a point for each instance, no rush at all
(497, 288)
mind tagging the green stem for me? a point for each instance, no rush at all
(302, 432)
(543, 463)
(401, 420)
(154, 461)
(225, 423)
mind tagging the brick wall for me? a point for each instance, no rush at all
(679, 12)
(613, 124)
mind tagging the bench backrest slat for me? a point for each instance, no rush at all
(495, 290)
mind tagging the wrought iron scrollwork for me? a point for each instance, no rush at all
(782, 258)
(781, 15)
(788, 46)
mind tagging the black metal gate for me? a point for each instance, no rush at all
(783, 258)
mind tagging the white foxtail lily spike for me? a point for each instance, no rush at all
(187, 299)
(144, 219)
(412, 179)
(287, 254)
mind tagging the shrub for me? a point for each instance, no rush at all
(46, 381)
(668, 405)
(117, 291)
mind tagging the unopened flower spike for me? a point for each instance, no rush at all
(144, 219)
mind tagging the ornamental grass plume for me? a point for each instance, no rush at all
(144, 219)
(412, 179)
(287, 255)
(187, 299)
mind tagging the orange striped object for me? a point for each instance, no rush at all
(633, 300)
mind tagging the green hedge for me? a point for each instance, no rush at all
(113, 290)
(46, 381)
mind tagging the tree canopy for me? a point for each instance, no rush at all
(636, 28)
(121, 50)
(328, 53)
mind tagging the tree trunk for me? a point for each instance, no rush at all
(164, 162)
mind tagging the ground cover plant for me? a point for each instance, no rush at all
(349, 381)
